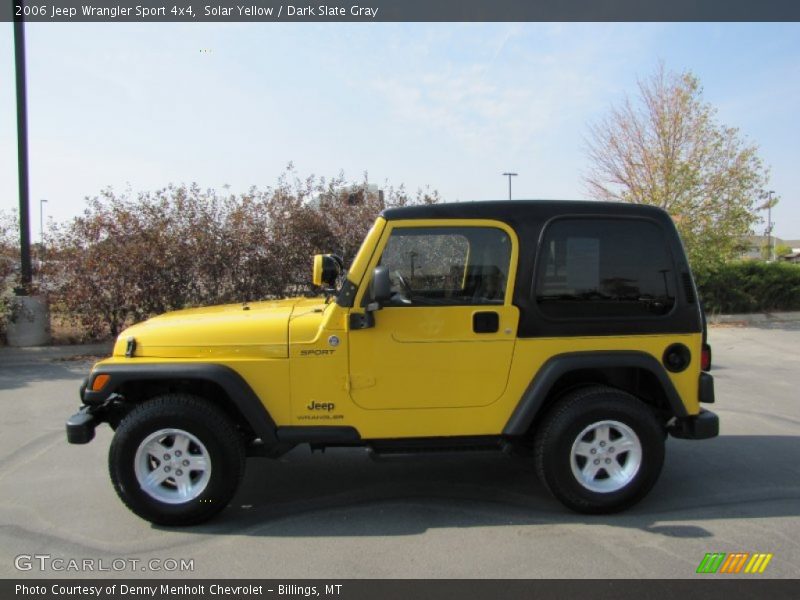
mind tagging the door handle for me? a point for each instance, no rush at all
(485, 322)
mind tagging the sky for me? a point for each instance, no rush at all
(450, 105)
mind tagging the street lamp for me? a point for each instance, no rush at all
(768, 205)
(42, 202)
(22, 158)
(509, 175)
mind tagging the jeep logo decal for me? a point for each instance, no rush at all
(316, 352)
(329, 406)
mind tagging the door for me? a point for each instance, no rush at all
(446, 337)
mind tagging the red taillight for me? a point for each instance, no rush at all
(705, 359)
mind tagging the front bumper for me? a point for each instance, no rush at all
(697, 427)
(80, 426)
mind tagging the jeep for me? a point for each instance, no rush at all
(569, 332)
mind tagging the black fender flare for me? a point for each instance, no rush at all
(538, 390)
(233, 384)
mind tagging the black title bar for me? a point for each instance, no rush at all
(144, 11)
(704, 588)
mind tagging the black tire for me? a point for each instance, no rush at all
(561, 428)
(197, 417)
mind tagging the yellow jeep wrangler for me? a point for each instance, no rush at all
(571, 331)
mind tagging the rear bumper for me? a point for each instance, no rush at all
(705, 390)
(697, 427)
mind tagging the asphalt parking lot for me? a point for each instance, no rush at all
(341, 514)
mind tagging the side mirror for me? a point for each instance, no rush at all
(327, 268)
(381, 285)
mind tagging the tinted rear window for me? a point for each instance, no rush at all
(604, 268)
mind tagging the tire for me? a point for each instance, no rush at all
(176, 460)
(576, 459)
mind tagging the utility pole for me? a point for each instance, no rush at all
(509, 175)
(22, 159)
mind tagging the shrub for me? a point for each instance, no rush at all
(750, 286)
(130, 257)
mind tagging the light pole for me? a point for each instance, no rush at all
(509, 175)
(34, 329)
(22, 158)
(769, 224)
(42, 202)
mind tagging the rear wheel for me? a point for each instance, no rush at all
(176, 460)
(599, 450)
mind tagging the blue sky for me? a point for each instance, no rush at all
(446, 105)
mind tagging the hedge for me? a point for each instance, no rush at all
(750, 286)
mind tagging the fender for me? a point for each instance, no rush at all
(538, 390)
(237, 389)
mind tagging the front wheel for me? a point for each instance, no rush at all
(599, 450)
(176, 460)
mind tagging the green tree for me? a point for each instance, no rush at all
(666, 148)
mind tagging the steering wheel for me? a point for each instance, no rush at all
(403, 283)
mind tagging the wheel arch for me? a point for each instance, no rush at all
(220, 384)
(635, 372)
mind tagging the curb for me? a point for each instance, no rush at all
(754, 318)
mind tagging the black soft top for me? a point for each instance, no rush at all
(521, 210)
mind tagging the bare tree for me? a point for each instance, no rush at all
(665, 148)
(129, 256)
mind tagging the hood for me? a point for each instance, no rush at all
(251, 330)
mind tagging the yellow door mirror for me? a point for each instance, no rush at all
(327, 268)
(316, 274)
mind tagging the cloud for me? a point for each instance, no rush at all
(524, 81)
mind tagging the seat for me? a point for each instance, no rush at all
(491, 285)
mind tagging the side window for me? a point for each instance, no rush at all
(604, 268)
(432, 266)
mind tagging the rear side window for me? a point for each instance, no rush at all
(604, 268)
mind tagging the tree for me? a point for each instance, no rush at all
(9, 260)
(666, 149)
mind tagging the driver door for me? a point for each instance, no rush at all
(446, 337)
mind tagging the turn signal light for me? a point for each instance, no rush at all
(100, 382)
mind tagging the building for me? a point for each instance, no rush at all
(755, 245)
